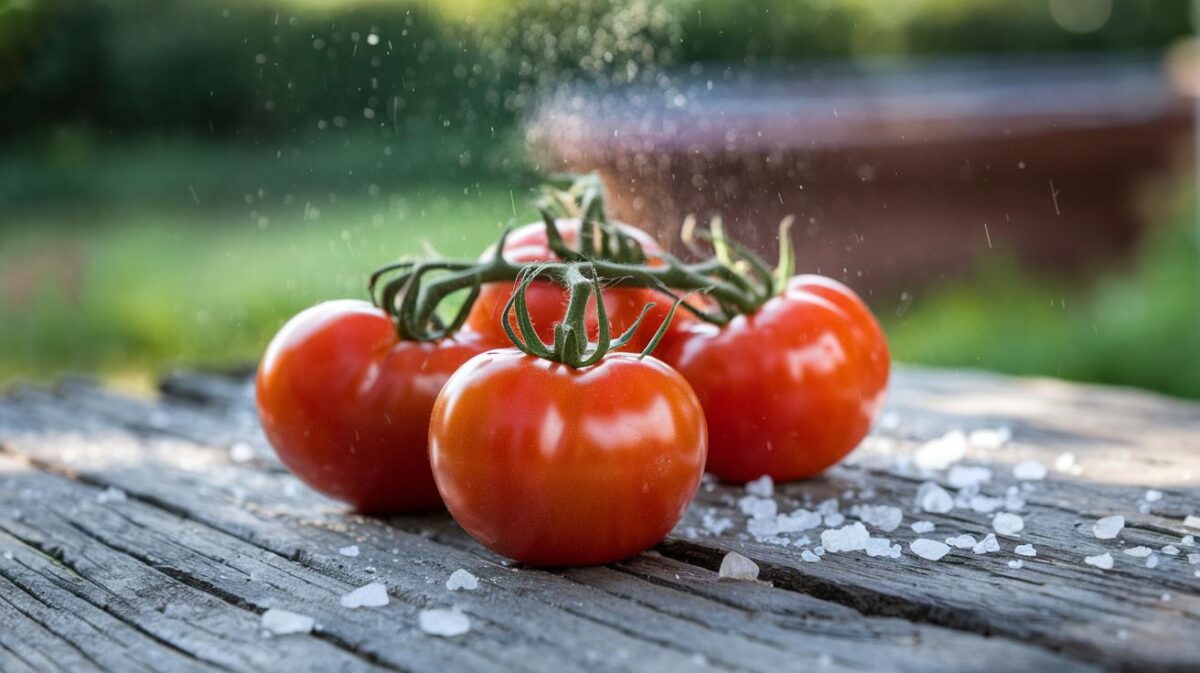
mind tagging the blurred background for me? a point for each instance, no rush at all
(1010, 183)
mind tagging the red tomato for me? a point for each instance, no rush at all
(346, 404)
(548, 302)
(556, 466)
(791, 389)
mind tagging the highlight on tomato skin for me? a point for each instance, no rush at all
(790, 389)
(346, 404)
(547, 301)
(556, 466)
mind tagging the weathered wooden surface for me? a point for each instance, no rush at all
(211, 532)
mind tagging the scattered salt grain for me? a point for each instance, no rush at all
(111, 494)
(922, 527)
(351, 551)
(1108, 527)
(798, 520)
(1065, 462)
(1187, 540)
(1029, 470)
(819, 550)
(241, 452)
(9, 555)
(985, 504)
(1013, 500)
(1194, 559)
(462, 579)
(963, 476)
(1192, 521)
(809, 557)
(737, 567)
(372, 595)
(1102, 561)
(883, 517)
(942, 452)
(1152, 561)
(934, 498)
(763, 487)
(987, 438)
(987, 545)
(1007, 524)
(1139, 551)
(962, 541)
(930, 550)
(847, 538)
(443, 623)
(835, 519)
(758, 508)
(1025, 550)
(282, 622)
(878, 546)
(1153, 495)
(1171, 550)
(716, 525)
(1016, 564)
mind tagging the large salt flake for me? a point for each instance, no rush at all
(883, 517)
(1108, 527)
(1102, 561)
(847, 538)
(462, 579)
(987, 545)
(931, 550)
(942, 452)
(1005, 523)
(443, 623)
(279, 622)
(934, 498)
(737, 567)
(763, 487)
(372, 595)
(878, 546)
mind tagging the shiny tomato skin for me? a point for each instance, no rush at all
(791, 389)
(555, 466)
(346, 404)
(548, 302)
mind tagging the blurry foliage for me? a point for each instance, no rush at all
(1140, 328)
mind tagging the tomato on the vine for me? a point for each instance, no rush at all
(547, 301)
(790, 389)
(554, 466)
(346, 404)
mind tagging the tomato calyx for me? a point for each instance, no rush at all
(570, 345)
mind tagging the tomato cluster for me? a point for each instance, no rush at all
(551, 453)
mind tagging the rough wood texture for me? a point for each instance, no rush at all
(175, 575)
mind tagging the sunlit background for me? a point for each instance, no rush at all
(1010, 183)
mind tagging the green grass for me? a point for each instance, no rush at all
(203, 285)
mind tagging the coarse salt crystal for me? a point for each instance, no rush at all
(985, 504)
(462, 579)
(763, 487)
(1108, 527)
(1139, 551)
(351, 551)
(809, 557)
(372, 595)
(1025, 550)
(737, 567)
(1187, 540)
(987, 545)
(962, 541)
(835, 519)
(963, 476)
(241, 452)
(934, 498)
(1192, 521)
(847, 538)
(883, 517)
(921, 527)
(443, 623)
(1102, 561)
(878, 546)
(1152, 561)
(798, 520)
(1171, 550)
(1064, 462)
(758, 508)
(282, 622)
(1007, 524)
(931, 550)
(1194, 559)
(986, 438)
(1029, 470)
(1016, 564)
(9, 555)
(942, 452)
(1153, 495)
